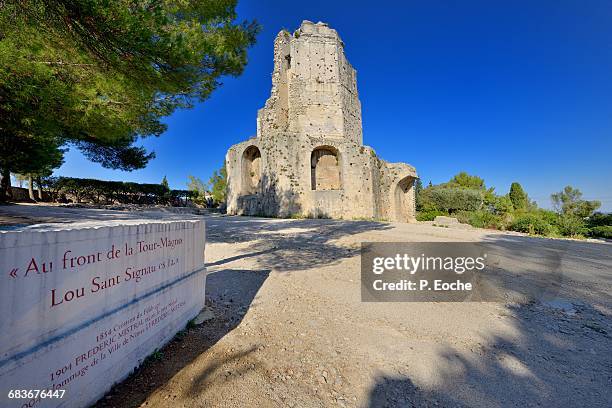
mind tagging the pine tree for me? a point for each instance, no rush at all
(101, 75)
(164, 183)
(518, 196)
(418, 189)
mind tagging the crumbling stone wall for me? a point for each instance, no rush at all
(309, 139)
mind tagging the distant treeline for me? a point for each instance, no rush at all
(467, 198)
(108, 192)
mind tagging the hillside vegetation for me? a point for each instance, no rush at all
(467, 198)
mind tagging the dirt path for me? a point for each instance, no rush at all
(290, 329)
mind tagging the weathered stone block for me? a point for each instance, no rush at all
(83, 307)
(442, 220)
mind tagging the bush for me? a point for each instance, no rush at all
(480, 219)
(600, 219)
(429, 215)
(550, 217)
(602, 231)
(531, 223)
(451, 199)
(571, 226)
(102, 191)
(502, 205)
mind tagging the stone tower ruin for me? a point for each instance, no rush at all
(308, 158)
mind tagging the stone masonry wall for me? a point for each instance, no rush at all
(314, 105)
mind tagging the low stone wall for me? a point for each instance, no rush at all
(81, 308)
(20, 194)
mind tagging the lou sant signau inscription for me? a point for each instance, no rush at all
(72, 261)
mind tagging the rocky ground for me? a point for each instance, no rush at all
(289, 327)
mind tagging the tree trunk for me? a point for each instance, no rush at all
(40, 189)
(5, 184)
(31, 188)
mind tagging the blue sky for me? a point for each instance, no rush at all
(519, 91)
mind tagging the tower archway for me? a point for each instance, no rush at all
(325, 171)
(251, 170)
(403, 200)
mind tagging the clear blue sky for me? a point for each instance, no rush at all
(519, 91)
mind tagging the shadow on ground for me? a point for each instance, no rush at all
(289, 245)
(229, 294)
(543, 269)
(558, 360)
(559, 352)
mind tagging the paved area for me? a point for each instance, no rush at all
(290, 328)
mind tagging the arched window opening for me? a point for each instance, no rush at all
(404, 199)
(251, 170)
(325, 169)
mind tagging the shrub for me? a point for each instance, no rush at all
(600, 219)
(602, 231)
(451, 199)
(429, 215)
(571, 226)
(480, 219)
(531, 223)
(502, 205)
(550, 217)
(102, 191)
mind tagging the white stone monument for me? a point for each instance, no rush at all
(81, 308)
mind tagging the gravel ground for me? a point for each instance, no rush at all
(290, 328)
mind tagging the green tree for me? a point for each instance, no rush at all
(166, 196)
(218, 184)
(518, 196)
(99, 75)
(418, 189)
(569, 202)
(198, 190)
(164, 183)
(503, 205)
(464, 180)
(571, 225)
(450, 200)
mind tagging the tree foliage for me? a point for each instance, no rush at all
(218, 185)
(418, 190)
(462, 193)
(102, 74)
(452, 199)
(502, 205)
(531, 223)
(467, 198)
(107, 192)
(198, 190)
(518, 196)
(165, 183)
(465, 180)
(569, 202)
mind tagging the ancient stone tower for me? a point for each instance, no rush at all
(308, 157)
